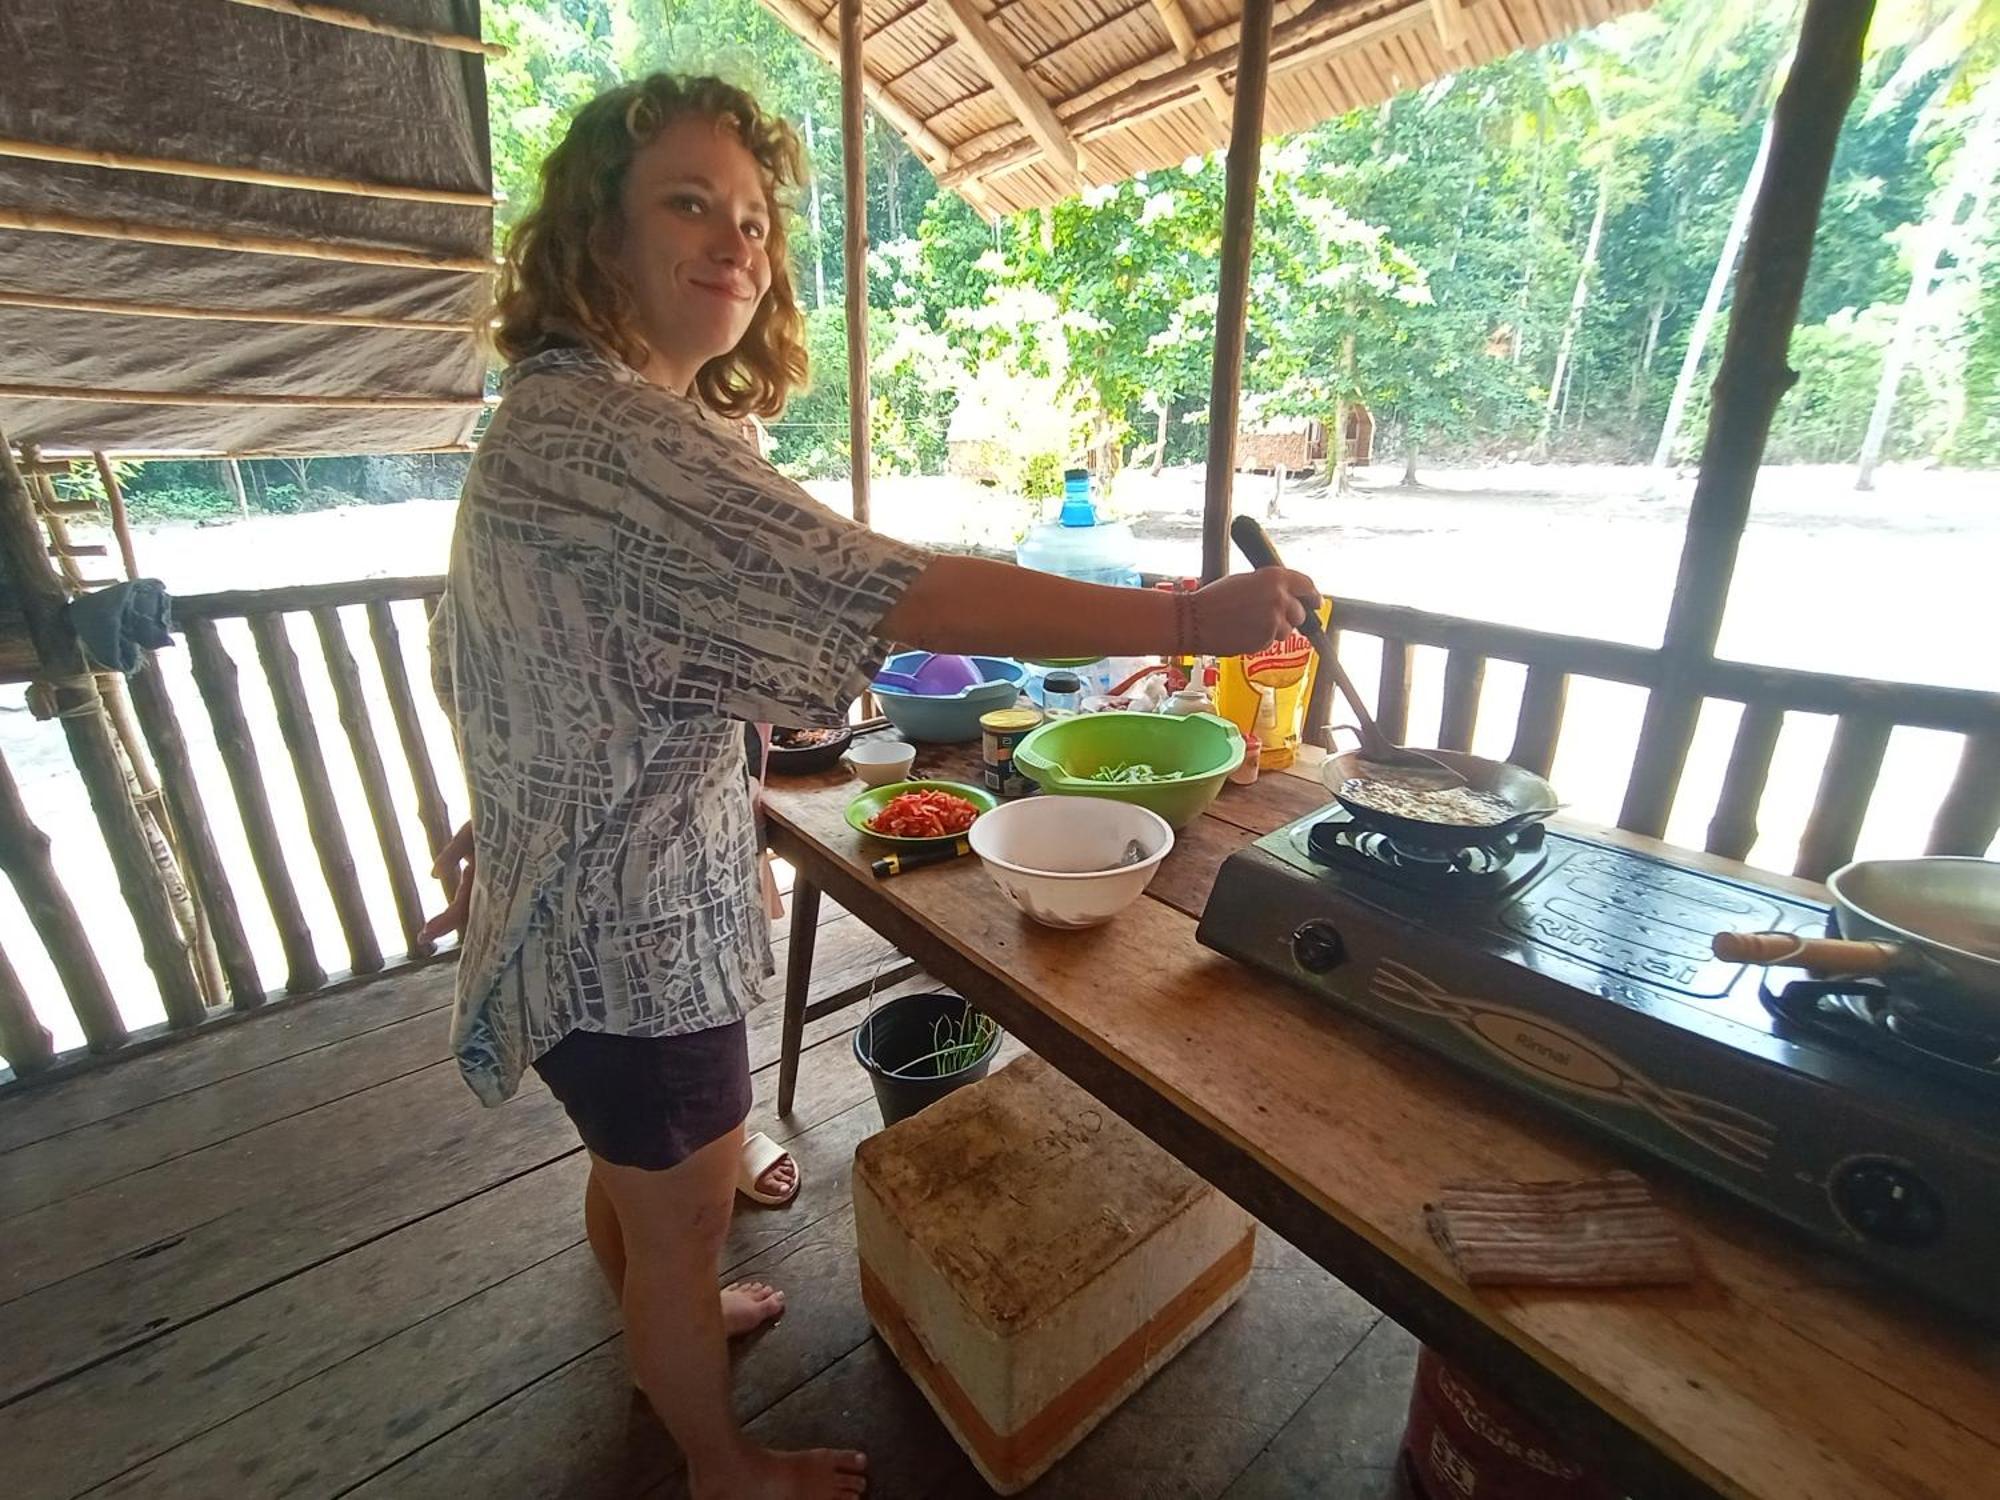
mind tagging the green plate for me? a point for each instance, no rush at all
(872, 801)
(1061, 662)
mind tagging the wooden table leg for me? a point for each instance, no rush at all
(798, 983)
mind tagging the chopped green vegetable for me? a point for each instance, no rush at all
(1129, 772)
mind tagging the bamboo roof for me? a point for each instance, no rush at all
(243, 226)
(1022, 103)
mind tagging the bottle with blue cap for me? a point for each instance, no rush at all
(1078, 544)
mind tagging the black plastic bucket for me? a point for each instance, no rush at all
(897, 1043)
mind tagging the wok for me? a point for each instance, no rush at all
(1932, 925)
(1532, 799)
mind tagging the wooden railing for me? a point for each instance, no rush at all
(222, 947)
(1866, 712)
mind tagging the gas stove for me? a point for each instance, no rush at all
(1579, 972)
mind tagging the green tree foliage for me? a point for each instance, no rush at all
(1426, 256)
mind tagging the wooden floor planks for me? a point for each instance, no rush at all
(310, 1264)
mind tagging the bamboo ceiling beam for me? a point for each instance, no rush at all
(1188, 46)
(1449, 16)
(169, 166)
(39, 222)
(15, 390)
(948, 43)
(808, 28)
(1013, 85)
(1320, 30)
(1112, 83)
(333, 15)
(120, 308)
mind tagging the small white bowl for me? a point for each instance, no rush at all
(879, 762)
(1059, 859)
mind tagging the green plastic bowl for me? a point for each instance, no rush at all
(1064, 756)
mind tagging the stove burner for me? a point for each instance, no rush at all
(1865, 1015)
(1484, 871)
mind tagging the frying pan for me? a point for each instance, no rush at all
(1532, 799)
(1932, 923)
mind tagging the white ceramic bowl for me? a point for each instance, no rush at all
(1059, 858)
(879, 762)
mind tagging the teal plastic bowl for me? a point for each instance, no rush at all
(952, 719)
(1064, 756)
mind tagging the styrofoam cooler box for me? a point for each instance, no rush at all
(1031, 1259)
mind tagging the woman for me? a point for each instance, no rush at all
(630, 583)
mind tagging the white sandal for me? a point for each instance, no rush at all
(760, 1154)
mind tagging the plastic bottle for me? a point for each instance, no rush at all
(1079, 545)
(1192, 699)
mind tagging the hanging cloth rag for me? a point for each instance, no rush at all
(118, 623)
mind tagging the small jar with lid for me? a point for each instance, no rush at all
(1062, 693)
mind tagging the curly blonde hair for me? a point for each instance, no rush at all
(557, 281)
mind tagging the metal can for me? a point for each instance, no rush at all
(1000, 731)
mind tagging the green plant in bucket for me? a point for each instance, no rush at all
(957, 1043)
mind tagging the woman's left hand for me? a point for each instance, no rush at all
(456, 854)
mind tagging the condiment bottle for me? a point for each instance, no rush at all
(1062, 693)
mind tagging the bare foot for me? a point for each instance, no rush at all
(815, 1474)
(749, 1305)
(780, 1178)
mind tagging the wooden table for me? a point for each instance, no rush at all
(1778, 1374)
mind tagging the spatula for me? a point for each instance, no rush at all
(1412, 767)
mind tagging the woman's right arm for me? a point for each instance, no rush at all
(971, 604)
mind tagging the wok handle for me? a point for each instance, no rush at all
(1255, 544)
(1819, 955)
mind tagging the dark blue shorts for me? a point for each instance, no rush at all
(651, 1102)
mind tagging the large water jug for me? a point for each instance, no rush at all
(1077, 544)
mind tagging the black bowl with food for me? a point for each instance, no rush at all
(795, 752)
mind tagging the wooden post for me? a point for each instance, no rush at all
(1732, 831)
(1853, 766)
(1239, 224)
(295, 724)
(194, 840)
(1538, 726)
(81, 711)
(854, 176)
(1969, 816)
(24, 855)
(215, 675)
(354, 719)
(181, 800)
(114, 496)
(24, 1041)
(403, 709)
(1752, 379)
(1392, 694)
(1464, 680)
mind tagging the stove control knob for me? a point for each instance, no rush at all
(1884, 1200)
(1317, 946)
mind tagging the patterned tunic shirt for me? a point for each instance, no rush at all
(629, 584)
